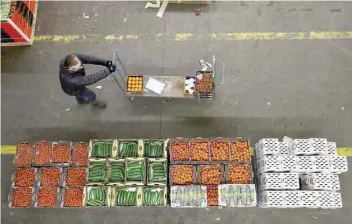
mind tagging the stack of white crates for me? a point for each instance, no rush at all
(301, 173)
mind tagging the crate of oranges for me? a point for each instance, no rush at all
(239, 151)
(238, 174)
(134, 84)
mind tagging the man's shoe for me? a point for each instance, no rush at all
(100, 104)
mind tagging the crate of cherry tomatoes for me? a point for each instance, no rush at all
(219, 150)
(239, 151)
(21, 197)
(210, 174)
(51, 177)
(238, 174)
(24, 155)
(47, 197)
(42, 154)
(75, 176)
(80, 154)
(179, 150)
(199, 150)
(134, 84)
(183, 174)
(212, 195)
(61, 153)
(72, 197)
(25, 177)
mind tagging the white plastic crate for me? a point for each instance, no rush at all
(332, 149)
(338, 164)
(305, 164)
(288, 163)
(329, 199)
(292, 199)
(290, 181)
(271, 199)
(301, 147)
(321, 163)
(269, 163)
(284, 148)
(320, 181)
(318, 146)
(309, 199)
(278, 181)
(268, 146)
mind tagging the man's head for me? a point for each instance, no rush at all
(72, 62)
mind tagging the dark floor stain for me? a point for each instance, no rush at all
(259, 12)
(335, 10)
(271, 3)
(279, 9)
(306, 10)
(292, 10)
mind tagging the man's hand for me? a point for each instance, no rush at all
(108, 64)
(112, 68)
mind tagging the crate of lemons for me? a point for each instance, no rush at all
(134, 84)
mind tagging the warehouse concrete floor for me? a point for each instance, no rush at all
(265, 88)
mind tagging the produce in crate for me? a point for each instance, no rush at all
(237, 195)
(239, 174)
(22, 197)
(134, 83)
(42, 153)
(188, 196)
(239, 151)
(199, 151)
(153, 149)
(157, 171)
(135, 170)
(97, 172)
(117, 171)
(219, 151)
(97, 196)
(76, 177)
(102, 149)
(47, 197)
(80, 155)
(153, 196)
(61, 153)
(205, 83)
(25, 177)
(179, 151)
(182, 175)
(128, 149)
(73, 197)
(24, 155)
(212, 196)
(50, 176)
(210, 175)
(126, 196)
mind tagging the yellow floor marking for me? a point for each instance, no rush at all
(314, 35)
(11, 149)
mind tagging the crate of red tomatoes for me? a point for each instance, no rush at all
(75, 176)
(210, 174)
(183, 174)
(51, 177)
(72, 197)
(61, 153)
(80, 154)
(179, 150)
(212, 195)
(47, 197)
(24, 155)
(25, 177)
(42, 154)
(21, 197)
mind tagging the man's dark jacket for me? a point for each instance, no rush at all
(74, 82)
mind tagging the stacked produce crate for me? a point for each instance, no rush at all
(301, 173)
(49, 174)
(132, 172)
(211, 172)
(18, 22)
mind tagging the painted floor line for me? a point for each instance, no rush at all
(11, 149)
(313, 35)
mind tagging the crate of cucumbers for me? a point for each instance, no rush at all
(97, 172)
(98, 196)
(155, 148)
(157, 172)
(105, 148)
(126, 196)
(116, 172)
(135, 171)
(130, 148)
(154, 196)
